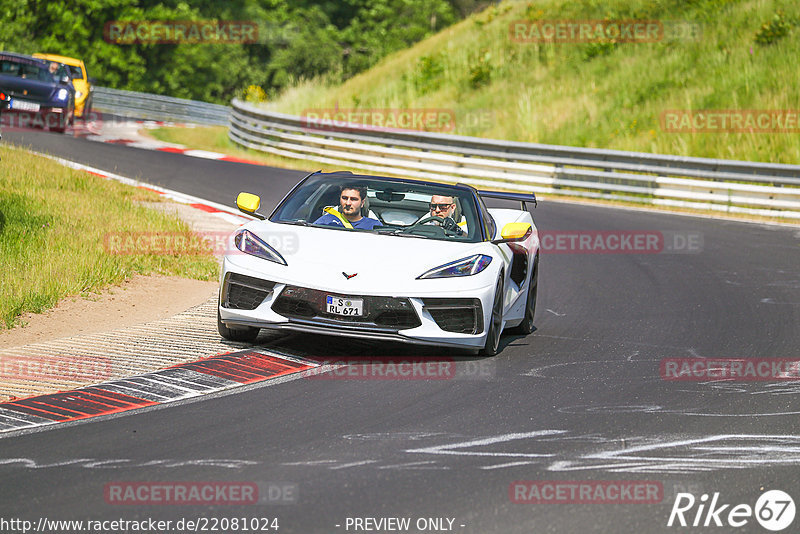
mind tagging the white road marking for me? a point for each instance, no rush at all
(311, 462)
(448, 449)
(429, 464)
(509, 464)
(352, 464)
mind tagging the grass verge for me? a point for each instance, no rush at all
(53, 224)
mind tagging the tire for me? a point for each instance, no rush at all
(65, 123)
(61, 128)
(526, 326)
(492, 345)
(247, 334)
(87, 110)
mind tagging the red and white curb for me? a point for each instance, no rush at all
(177, 383)
(126, 133)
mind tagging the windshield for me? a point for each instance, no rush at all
(30, 71)
(386, 206)
(74, 72)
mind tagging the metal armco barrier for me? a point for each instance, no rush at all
(766, 189)
(159, 108)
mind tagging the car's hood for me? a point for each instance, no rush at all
(37, 91)
(323, 255)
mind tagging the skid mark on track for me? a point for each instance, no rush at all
(126, 463)
(656, 454)
(684, 455)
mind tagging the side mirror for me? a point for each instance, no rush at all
(249, 204)
(514, 232)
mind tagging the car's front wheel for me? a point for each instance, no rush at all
(490, 348)
(526, 326)
(87, 110)
(247, 334)
(64, 122)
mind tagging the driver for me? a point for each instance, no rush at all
(351, 200)
(445, 207)
(53, 68)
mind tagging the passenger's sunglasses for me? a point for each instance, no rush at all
(440, 207)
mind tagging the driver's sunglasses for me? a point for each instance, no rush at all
(440, 207)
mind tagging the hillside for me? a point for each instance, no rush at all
(737, 57)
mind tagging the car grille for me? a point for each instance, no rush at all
(241, 292)
(387, 312)
(461, 316)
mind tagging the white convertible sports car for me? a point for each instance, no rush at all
(382, 258)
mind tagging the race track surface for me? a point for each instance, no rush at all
(582, 398)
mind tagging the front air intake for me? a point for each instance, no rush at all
(460, 316)
(240, 292)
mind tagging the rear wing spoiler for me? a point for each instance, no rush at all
(522, 198)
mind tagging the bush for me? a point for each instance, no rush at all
(254, 94)
(598, 48)
(480, 73)
(428, 74)
(774, 30)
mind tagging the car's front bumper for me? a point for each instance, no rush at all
(427, 318)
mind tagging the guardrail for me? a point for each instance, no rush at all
(766, 189)
(156, 107)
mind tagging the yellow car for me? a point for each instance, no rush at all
(80, 80)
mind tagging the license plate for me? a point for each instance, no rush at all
(22, 105)
(345, 306)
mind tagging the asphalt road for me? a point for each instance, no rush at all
(581, 399)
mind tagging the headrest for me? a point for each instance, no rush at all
(457, 212)
(365, 208)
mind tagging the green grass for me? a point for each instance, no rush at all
(602, 95)
(53, 221)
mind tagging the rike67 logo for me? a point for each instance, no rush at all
(774, 510)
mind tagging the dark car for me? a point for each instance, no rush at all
(39, 92)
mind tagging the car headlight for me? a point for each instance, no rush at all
(463, 267)
(62, 94)
(249, 243)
